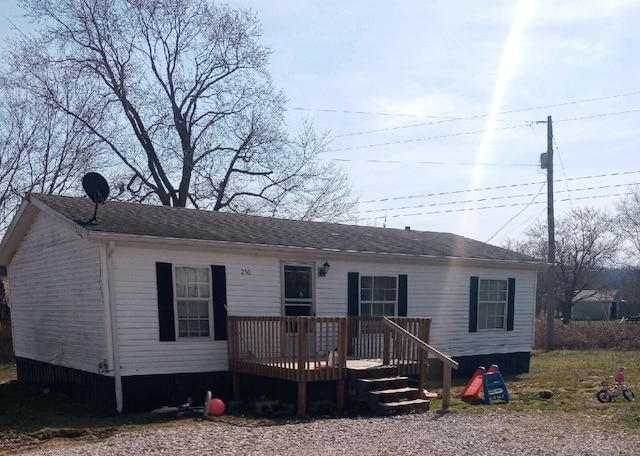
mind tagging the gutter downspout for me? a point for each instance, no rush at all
(111, 320)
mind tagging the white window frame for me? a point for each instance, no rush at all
(377, 302)
(493, 296)
(208, 300)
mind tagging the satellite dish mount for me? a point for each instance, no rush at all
(96, 188)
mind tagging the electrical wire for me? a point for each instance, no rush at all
(515, 216)
(406, 141)
(501, 206)
(497, 198)
(453, 192)
(401, 162)
(452, 135)
(567, 103)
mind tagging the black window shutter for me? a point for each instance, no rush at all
(473, 304)
(353, 294)
(402, 295)
(166, 316)
(511, 295)
(219, 279)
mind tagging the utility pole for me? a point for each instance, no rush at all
(546, 162)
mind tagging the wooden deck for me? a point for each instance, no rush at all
(315, 349)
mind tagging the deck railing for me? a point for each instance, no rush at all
(370, 338)
(303, 349)
(311, 349)
(425, 349)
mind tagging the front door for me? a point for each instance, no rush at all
(298, 289)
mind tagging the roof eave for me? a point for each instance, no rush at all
(235, 246)
(16, 231)
(29, 208)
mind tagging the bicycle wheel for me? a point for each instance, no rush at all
(628, 395)
(603, 396)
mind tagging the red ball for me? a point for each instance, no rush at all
(216, 406)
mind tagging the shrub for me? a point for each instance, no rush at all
(590, 335)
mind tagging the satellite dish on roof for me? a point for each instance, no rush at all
(96, 188)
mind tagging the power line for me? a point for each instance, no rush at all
(520, 212)
(534, 216)
(497, 187)
(495, 198)
(423, 124)
(567, 103)
(501, 206)
(405, 141)
(451, 135)
(402, 162)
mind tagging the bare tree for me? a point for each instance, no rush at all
(179, 94)
(586, 243)
(628, 221)
(41, 149)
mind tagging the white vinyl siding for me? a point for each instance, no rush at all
(58, 310)
(58, 303)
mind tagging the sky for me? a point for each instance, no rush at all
(438, 110)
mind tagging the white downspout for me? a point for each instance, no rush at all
(111, 320)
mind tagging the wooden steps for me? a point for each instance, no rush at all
(384, 391)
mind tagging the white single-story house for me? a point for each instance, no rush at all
(132, 307)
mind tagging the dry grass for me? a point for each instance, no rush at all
(574, 377)
(590, 335)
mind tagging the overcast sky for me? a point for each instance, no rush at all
(437, 109)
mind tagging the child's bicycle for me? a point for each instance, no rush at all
(607, 393)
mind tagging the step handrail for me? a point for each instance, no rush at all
(447, 361)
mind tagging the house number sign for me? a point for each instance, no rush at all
(246, 271)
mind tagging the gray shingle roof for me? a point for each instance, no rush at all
(180, 223)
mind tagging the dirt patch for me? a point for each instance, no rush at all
(12, 442)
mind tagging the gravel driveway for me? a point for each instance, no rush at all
(493, 433)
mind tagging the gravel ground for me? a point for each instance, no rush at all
(492, 433)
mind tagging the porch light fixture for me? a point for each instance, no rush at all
(322, 271)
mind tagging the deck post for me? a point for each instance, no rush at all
(235, 378)
(423, 356)
(303, 331)
(340, 388)
(446, 387)
(302, 398)
(386, 347)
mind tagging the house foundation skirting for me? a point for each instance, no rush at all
(140, 392)
(73, 383)
(148, 392)
(509, 364)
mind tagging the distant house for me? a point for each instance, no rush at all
(602, 305)
(595, 305)
(133, 307)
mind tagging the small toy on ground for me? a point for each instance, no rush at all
(607, 392)
(545, 394)
(212, 406)
(489, 382)
(494, 386)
